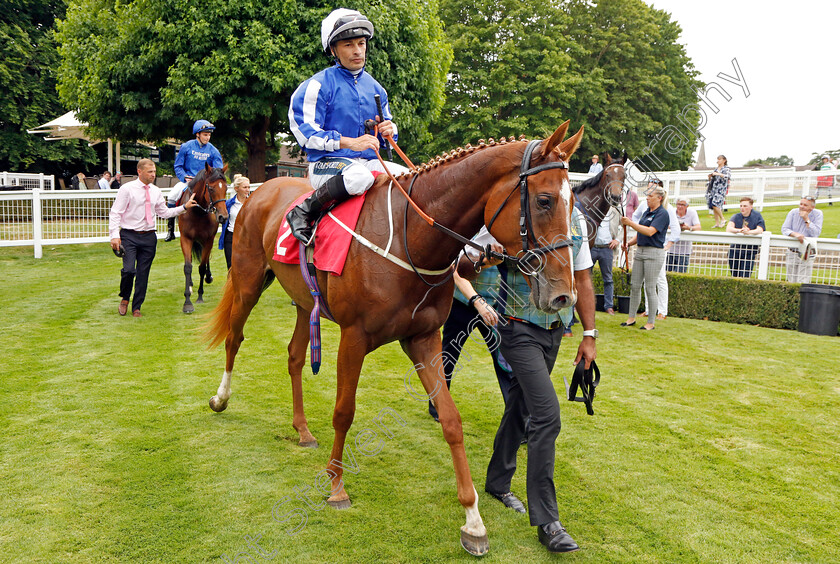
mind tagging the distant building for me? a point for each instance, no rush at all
(287, 165)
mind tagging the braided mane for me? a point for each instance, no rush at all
(434, 162)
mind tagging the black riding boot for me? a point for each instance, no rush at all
(301, 216)
(170, 235)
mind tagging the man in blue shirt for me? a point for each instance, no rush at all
(746, 222)
(327, 116)
(190, 161)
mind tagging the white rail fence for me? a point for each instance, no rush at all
(37, 218)
(27, 181)
(710, 256)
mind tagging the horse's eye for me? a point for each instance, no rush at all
(544, 201)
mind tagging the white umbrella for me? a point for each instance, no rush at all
(68, 126)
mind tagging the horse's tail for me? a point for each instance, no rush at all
(218, 326)
(197, 248)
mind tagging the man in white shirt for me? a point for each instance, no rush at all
(799, 224)
(105, 182)
(133, 232)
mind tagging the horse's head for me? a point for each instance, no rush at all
(216, 186)
(540, 232)
(613, 181)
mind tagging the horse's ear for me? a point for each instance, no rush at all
(570, 145)
(207, 167)
(224, 169)
(555, 138)
(608, 160)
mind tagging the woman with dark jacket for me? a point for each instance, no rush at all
(650, 255)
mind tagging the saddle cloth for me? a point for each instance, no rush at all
(332, 242)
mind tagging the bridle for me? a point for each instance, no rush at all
(207, 184)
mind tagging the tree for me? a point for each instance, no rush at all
(613, 66)
(28, 58)
(784, 160)
(816, 158)
(151, 67)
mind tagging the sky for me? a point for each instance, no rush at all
(789, 57)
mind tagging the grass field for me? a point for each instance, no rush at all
(710, 442)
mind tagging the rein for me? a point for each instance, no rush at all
(524, 259)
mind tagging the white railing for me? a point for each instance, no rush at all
(27, 181)
(710, 255)
(768, 187)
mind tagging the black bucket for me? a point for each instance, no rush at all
(599, 302)
(819, 309)
(623, 304)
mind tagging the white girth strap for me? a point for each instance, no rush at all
(385, 254)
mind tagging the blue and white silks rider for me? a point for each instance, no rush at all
(191, 159)
(330, 108)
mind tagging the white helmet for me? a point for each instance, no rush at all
(344, 24)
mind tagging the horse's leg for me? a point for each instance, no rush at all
(425, 351)
(204, 270)
(242, 292)
(186, 249)
(351, 354)
(297, 360)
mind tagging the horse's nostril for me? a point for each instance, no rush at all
(561, 301)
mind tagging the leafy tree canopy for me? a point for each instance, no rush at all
(28, 59)
(613, 66)
(784, 160)
(816, 158)
(146, 69)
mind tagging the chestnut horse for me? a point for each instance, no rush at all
(198, 227)
(376, 301)
(598, 193)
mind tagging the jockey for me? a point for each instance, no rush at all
(327, 115)
(190, 161)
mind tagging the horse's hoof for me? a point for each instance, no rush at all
(477, 546)
(199, 300)
(208, 279)
(340, 504)
(308, 444)
(188, 308)
(217, 405)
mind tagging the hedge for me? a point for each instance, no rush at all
(733, 300)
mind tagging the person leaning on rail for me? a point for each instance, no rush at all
(802, 222)
(327, 115)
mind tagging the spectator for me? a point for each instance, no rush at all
(77, 181)
(595, 167)
(242, 187)
(671, 237)
(117, 181)
(473, 308)
(650, 238)
(799, 224)
(132, 228)
(105, 181)
(606, 241)
(746, 222)
(530, 342)
(826, 182)
(678, 257)
(717, 190)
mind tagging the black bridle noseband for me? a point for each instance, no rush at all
(207, 184)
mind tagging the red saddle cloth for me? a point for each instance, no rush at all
(332, 242)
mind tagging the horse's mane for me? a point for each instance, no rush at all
(460, 152)
(215, 174)
(589, 183)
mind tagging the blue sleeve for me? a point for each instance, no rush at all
(760, 222)
(307, 111)
(179, 163)
(216, 158)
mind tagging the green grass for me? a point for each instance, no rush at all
(710, 442)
